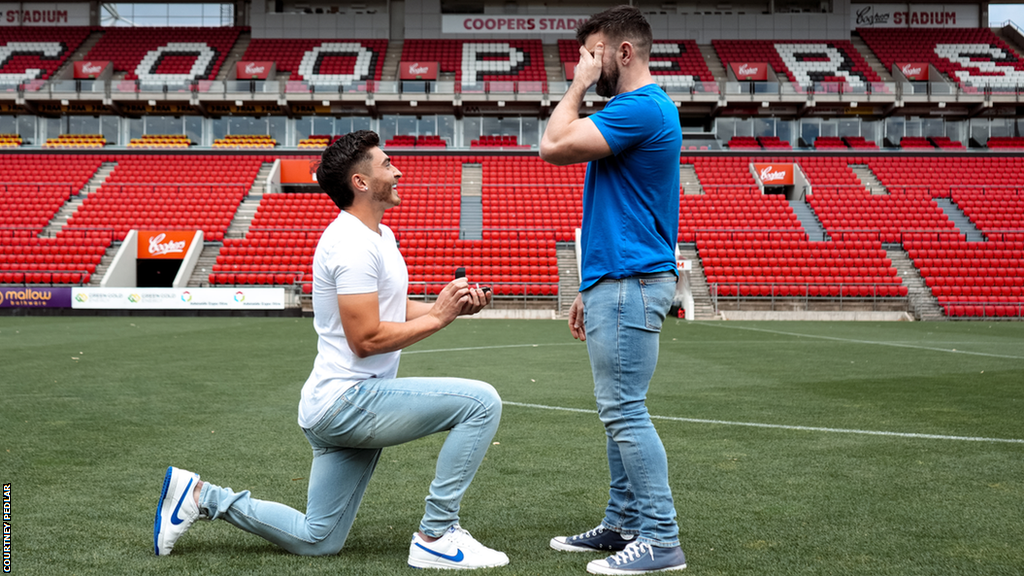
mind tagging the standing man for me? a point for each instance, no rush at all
(630, 226)
(353, 405)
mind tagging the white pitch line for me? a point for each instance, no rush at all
(855, 341)
(786, 427)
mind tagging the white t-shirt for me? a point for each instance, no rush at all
(350, 259)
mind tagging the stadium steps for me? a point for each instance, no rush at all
(227, 69)
(703, 309)
(104, 265)
(809, 220)
(689, 180)
(568, 277)
(60, 219)
(869, 57)
(1012, 38)
(79, 54)
(868, 179)
(963, 223)
(553, 63)
(923, 304)
(239, 226)
(713, 62)
(201, 273)
(471, 215)
(471, 218)
(472, 179)
(392, 61)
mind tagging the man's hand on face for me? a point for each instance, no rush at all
(588, 69)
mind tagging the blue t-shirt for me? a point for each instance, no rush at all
(631, 198)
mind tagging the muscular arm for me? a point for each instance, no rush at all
(414, 309)
(367, 335)
(569, 139)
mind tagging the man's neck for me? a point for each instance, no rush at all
(630, 84)
(367, 215)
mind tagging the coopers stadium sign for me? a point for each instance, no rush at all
(44, 14)
(914, 16)
(486, 24)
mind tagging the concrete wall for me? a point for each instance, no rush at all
(349, 24)
(422, 19)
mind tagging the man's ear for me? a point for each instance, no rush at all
(358, 181)
(626, 53)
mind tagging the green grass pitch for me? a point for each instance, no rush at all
(93, 409)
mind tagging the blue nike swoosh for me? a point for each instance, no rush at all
(186, 494)
(456, 558)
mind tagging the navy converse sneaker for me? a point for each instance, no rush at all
(640, 558)
(595, 540)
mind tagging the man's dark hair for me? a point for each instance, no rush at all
(340, 161)
(622, 23)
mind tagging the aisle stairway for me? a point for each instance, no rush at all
(923, 305)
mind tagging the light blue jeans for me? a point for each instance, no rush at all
(347, 444)
(623, 321)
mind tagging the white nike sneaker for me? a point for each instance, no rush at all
(456, 550)
(176, 510)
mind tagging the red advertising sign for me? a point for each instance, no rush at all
(298, 171)
(253, 70)
(757, 71)
(418, 70)
(775, 174)
(914, 70)
(570, 70)
(166, 244)
(90, 69)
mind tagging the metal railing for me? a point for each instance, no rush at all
(804, 293)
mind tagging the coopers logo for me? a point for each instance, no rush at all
(89, 69)
(157, 247)
(253, 70)
(774, 174)
(418, 70)
(913, 70)
(757, 71)
(170, 244)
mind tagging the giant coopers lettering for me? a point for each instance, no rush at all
(757, 71)
(916, 71)
(774, 174)
(164, 244)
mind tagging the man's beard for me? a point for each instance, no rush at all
(608, 82)
(385, 194)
